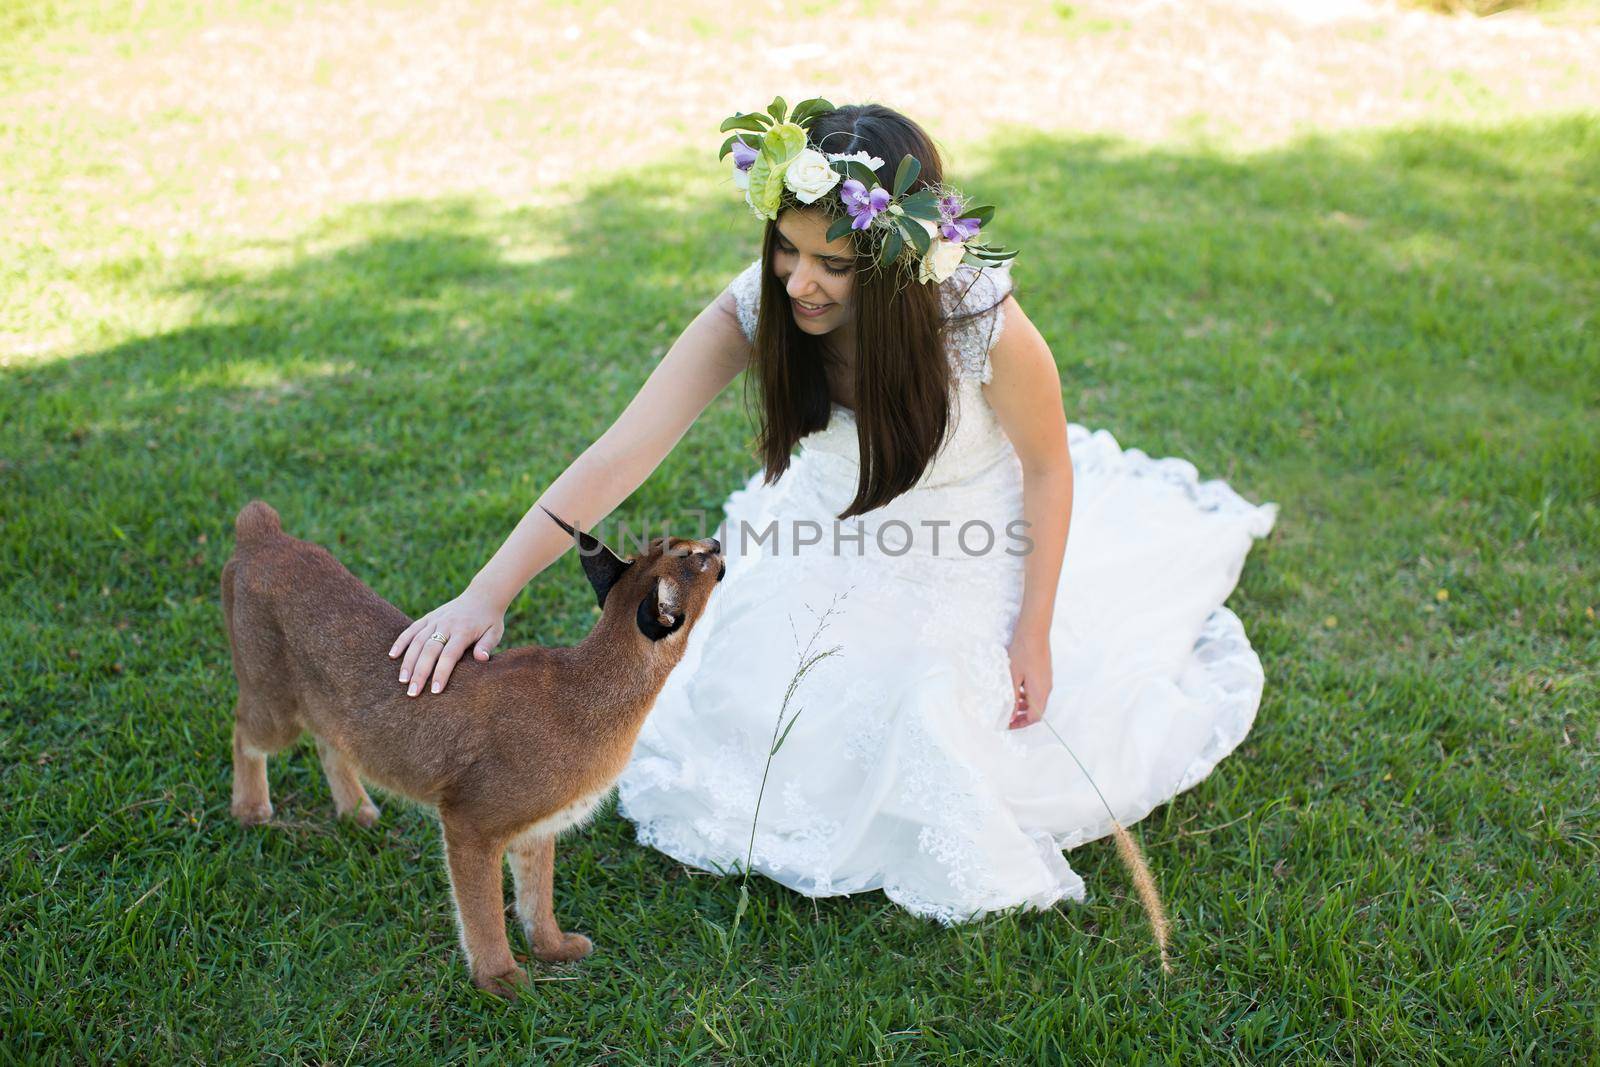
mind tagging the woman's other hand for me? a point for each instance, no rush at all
(433, 644)
(1031, 671)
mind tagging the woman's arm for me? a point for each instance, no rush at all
(708, 355)
(1025, 392)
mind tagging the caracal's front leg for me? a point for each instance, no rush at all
(474, 865)
(533, 864)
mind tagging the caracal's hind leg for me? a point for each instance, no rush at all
(258, 731)
(252, 803)
(533, 862)
(350, 799)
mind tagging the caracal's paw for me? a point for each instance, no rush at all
(366, 815)
(252, 812)
(565, 949)
(505, 983)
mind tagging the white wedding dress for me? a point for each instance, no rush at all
(900, 772)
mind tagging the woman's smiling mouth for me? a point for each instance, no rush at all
(803, 308)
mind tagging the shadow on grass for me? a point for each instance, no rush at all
(1391, 334)
(1339, 325)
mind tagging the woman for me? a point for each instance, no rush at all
(918, 532)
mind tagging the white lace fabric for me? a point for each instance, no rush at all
(900, 773)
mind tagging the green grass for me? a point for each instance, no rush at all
(1390, 333)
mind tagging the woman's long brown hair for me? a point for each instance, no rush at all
(902, 375)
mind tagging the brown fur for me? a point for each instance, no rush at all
(513, 751)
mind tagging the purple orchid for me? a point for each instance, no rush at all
(864, 206)
(743, 154)
(952, 228)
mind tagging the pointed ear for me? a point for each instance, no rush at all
(660, 611)
(600, 565)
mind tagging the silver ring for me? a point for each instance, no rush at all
(439, 637)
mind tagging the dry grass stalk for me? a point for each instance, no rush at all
(1145, 883)
(1133, 858)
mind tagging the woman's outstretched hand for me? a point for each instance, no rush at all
(433, 644)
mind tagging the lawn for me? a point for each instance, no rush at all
(1388, 329)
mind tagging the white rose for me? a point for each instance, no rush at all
(741, 178)
(809, 177)
(941, 261)
(872, 161)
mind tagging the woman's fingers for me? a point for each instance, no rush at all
(425, 662)
(419, 645)
(405, 637)
(1020, 703)
(1030, 704)
(447, 660)
(486, 643)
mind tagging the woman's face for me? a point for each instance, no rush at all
(819, 275)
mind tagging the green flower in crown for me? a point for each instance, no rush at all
(933, 229)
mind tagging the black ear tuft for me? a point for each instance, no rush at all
(601, 566)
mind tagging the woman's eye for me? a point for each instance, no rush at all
(830, 268)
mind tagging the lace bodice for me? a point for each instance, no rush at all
(975, 443)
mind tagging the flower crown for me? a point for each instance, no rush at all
(934, 229)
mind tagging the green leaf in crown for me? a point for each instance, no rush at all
(922, 204)
(746, 121)
(778, 149)
(806, 110)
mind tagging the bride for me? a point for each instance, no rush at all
(919, 477)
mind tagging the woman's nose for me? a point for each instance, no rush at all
(799, 283)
